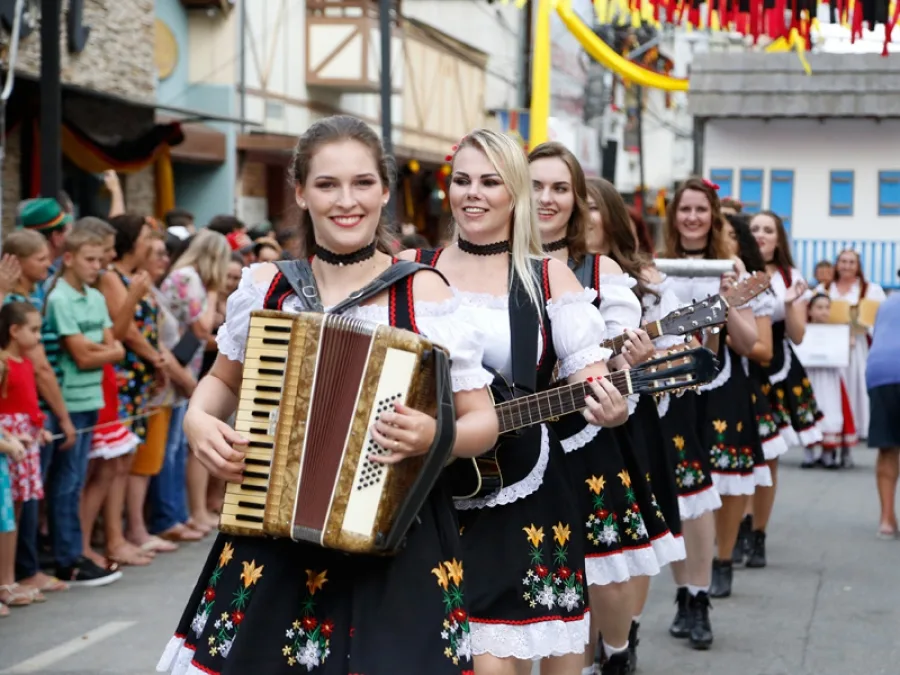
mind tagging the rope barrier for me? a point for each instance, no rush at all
(124, 421)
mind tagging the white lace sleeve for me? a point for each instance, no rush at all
(657, 309)
(578, 330)
(249, 296)
(763, 304)
(619, 306)
(446, 324)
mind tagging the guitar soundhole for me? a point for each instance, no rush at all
(372, 473)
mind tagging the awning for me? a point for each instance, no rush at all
(184, 114)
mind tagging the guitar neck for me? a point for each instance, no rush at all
(653, 329)
(547, 405)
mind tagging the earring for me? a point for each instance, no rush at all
(302, 205)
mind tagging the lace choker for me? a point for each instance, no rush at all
(483, 249)
(557, 245)
(342, 259)
(693, 251)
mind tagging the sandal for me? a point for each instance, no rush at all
(4, 610)
(14, 595)
(52, 585)
(130, 555)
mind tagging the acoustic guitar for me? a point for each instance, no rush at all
(481, 476)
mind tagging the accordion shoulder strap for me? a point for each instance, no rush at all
(299, 275)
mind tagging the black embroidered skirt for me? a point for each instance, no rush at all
(275, 606)
(680, 424)
(524, 557)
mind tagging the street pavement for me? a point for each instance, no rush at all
(828, 604)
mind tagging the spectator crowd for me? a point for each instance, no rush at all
(106, 327)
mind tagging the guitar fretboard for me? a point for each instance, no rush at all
(534, 408)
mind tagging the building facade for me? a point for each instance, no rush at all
(307, 60)
(109, 87)
(197, 53)
(817, 151)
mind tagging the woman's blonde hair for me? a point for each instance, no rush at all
(208, 253)
(511, 164)
(24, 243)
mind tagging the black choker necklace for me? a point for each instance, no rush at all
(483, 249)
(693, 251)
(342, 259)
(557, 245)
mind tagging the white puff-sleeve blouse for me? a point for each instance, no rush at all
(578, 330)
(619, 306)
(440, 322)
(656, 308)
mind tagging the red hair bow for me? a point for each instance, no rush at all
(708, 183)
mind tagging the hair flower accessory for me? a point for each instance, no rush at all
(708, 183)
(453, 150)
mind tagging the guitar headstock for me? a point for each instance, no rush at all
(677, 370)
(712, 311)
(744, 291)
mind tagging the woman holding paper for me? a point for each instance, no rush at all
(851, 287)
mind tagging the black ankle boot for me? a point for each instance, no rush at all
(757, 557)
(701, 630)
(617, 664)
(742, 545)
(681, 624)
(722, 574)
(633, 642)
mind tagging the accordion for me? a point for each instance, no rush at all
(313, 386)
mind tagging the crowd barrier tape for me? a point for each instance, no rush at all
(125, 421)
(880, 259)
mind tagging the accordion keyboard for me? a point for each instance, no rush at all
(265, 362)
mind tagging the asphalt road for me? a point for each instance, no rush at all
(828, 604)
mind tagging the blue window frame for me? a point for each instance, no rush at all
(840, 201)
(751, 190)
(781, 195)
(724, 178)
(889, 193)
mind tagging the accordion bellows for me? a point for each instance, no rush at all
(313, 386)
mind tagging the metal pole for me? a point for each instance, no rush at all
(387, 124)
(51, 100)
(242, 27)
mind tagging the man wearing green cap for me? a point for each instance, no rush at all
(45, 215)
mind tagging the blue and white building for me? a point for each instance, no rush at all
(818, 150)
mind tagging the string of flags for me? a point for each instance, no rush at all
(791, 22)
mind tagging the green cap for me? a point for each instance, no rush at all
(43, 215)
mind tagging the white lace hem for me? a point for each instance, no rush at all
(510, 493)
(723, 375)
(790, 436)
(176, 659)
(107, 450)
(734, 485)
(582, 359)
(694, 505)
(625, 280)
(230, 348)
(469, 380)
(774, 447)
(668, 549)
(810, 436)
(531, 641)
(580, 439)
(602, 570)
(775, 378)
(762, 476)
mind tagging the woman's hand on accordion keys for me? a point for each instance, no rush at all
(212, 442)
(404, 432)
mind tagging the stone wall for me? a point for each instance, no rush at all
(118, 57)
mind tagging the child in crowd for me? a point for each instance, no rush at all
(20, 419)
(831, 395)
(77, 314)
